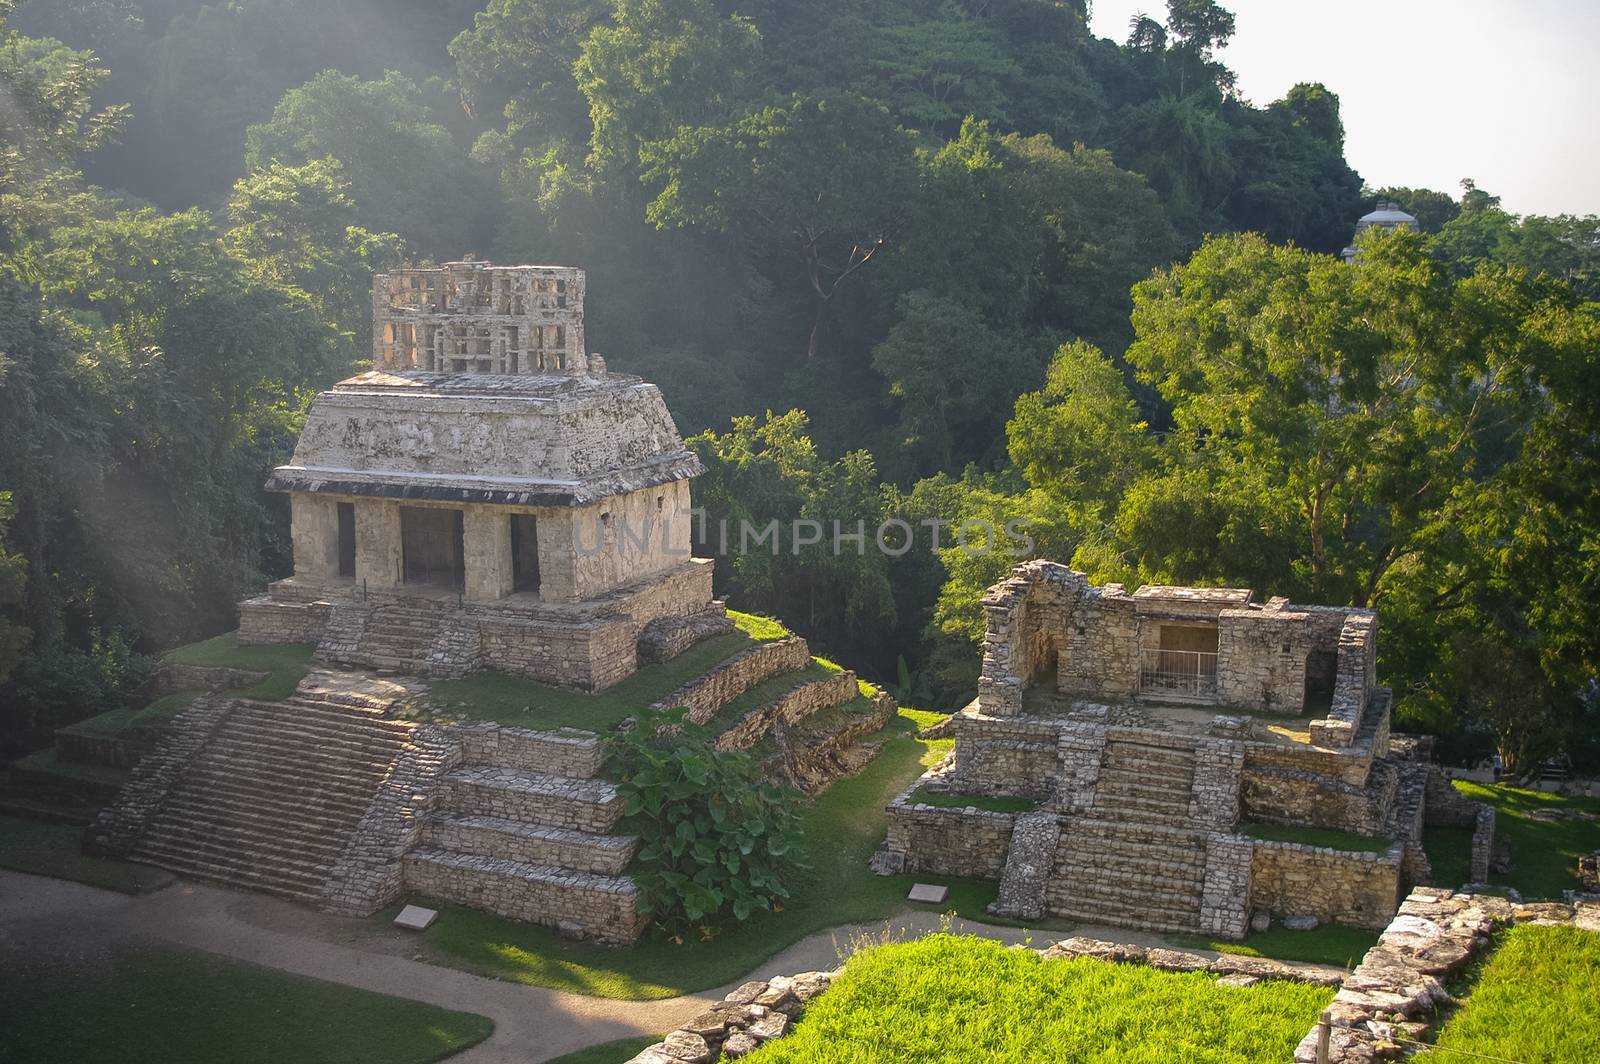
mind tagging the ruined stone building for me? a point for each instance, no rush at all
(1153, 731)
(488, 495)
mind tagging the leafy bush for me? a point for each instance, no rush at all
(717, 838)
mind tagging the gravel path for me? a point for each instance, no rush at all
(532, 1024)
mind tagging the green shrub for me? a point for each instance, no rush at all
(717, 838)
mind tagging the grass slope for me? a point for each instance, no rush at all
(1545, 853)
(150, 1005)
(1449, 853)
(1536, 1000)
(957, 999)
(55, 850)
(285, 664)
(518, 701)
(1327, 838)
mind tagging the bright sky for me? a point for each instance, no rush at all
(1506, 92)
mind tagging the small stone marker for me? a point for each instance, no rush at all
(415, 918)
(927, 892)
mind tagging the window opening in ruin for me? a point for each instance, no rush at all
(1184, 662)
(525, 553)
(347, 539)
(1321, 669)
(431, 545)
(1046, 663)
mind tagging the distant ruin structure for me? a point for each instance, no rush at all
(488, 495)
(1386, 215)
(1165, 736)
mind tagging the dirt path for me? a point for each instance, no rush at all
(532, 1024)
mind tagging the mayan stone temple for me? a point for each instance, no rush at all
(488, 496)
(1159, 735)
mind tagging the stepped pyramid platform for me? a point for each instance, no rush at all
(1159, 735)
(353, 792)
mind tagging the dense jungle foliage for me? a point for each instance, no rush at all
(923, 260)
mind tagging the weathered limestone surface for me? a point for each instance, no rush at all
(752, 1014)
(1399, 984)
(1336, 886)
(946, 841)
(1030, 858)
(788, 709)
(666, 637)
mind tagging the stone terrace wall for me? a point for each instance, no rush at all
(666, 637)
(1335, 886)
(1006, 758)
(120, 825)
(371, 873)
(578, 755)
(601, 905)
(710, 692)
(948, 842)
(791, 707)
(1297, 796)
(1448, 807)
(267, 620)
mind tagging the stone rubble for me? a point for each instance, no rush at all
(749, 1015)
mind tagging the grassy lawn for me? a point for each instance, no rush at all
(959, 999)
(1328, 838)
(842, 827)
(1449, 853)
(622, 1049)
(977, 801)
(285, 664)
(1544, 859)
(119, 720)
(1342, 947)
(518, 701)
(767, 691)
(55, 850)
(148, 1005)
(1537, 1000)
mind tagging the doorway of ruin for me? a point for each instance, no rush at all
(1322, 667)
(347, 539)
(525, 553)
(431, 545)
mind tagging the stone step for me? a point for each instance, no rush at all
(1175, 811)
(1086, 860)
(289, 732)
(1143, 919)
(1137, 834)
(1137, 756)
(294, 843)
(345, 761)
(284, 774)
(535, 893)
(1160, 789)
(534, 797)
(531, 843)
(1156, 879)
(234, 809)
(298, 884)
(322, 792)
(574, 754)
(325, 715)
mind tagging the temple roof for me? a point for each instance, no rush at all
(530, 440)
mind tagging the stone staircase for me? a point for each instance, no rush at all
(396, 636)
(271, 801)
(524, 830)
(1137, 858)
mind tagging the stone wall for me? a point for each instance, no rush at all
(173, 676)
(709, 692)
(1006, 758)
(968, 842)
(1335, 886)
(579, 755)
(603, 906)
(1448, 807)
(267, 620)
(1225, 900)
(370, 874)
(1354, 679)
(1215, 801)
(789, 708)
(666, 637)
(1297, 796)
(1261, 658)
(119, 826)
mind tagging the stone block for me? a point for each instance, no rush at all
(928, 893)
(416, 918)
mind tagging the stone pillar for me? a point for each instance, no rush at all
(558, 555)
(486, 535)
(314, 530)
(378, 559)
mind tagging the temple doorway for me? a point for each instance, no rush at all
(431, 542)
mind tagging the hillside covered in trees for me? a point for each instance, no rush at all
(924, 260)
